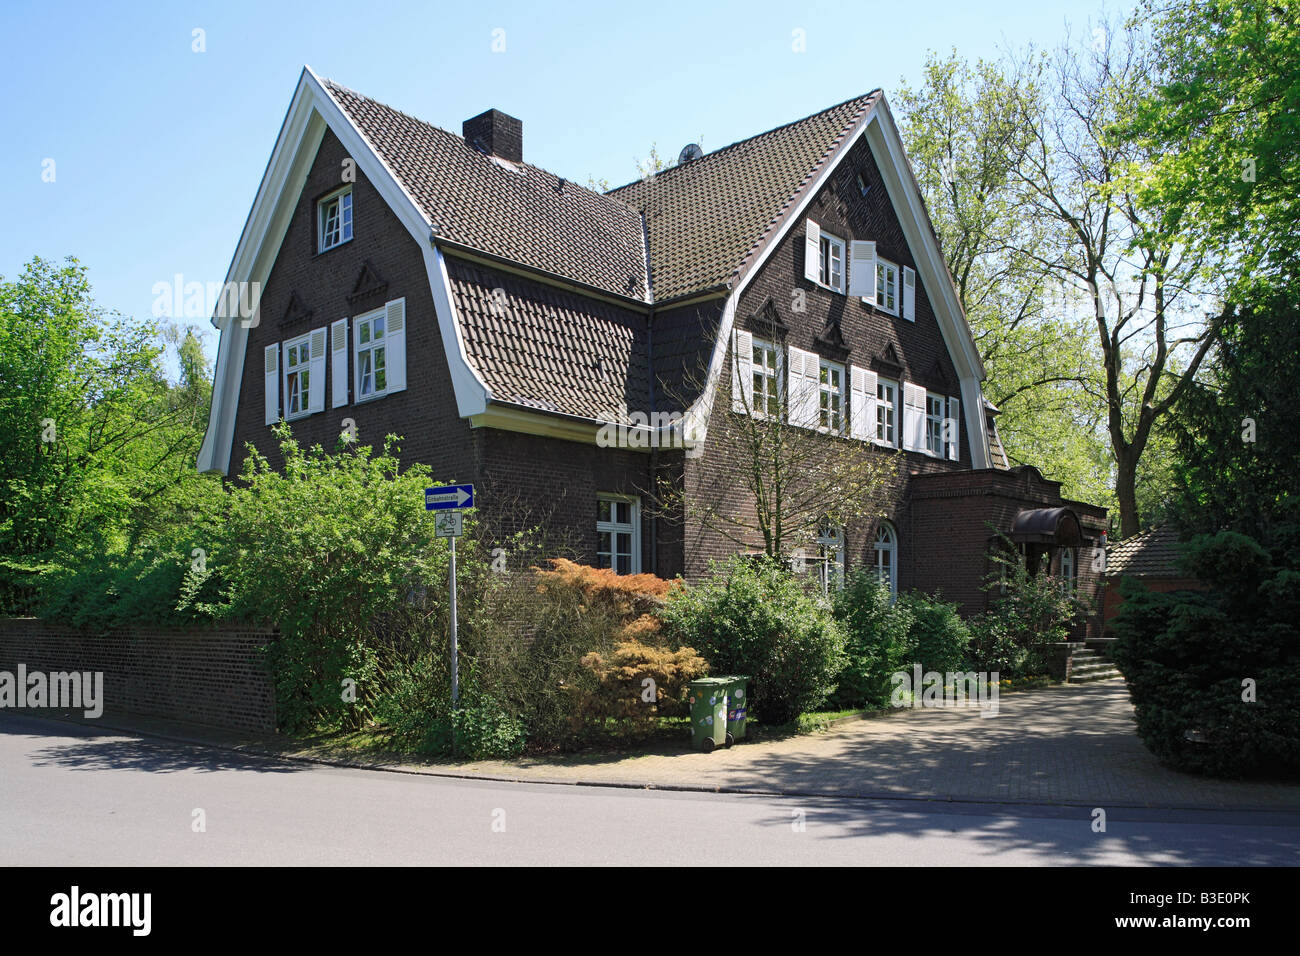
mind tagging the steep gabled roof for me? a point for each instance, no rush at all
(512, 210)
(705, 218)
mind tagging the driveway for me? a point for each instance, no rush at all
(1066, 744)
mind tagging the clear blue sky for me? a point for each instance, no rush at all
(159, 150)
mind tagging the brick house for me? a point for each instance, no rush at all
(1154, 557)
(502, 319)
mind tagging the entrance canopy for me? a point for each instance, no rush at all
(1058, 526)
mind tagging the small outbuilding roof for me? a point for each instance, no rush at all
(1151, 554)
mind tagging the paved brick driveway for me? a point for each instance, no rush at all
(1072, 743)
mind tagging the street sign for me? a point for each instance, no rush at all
(450, 524)
(448, 497)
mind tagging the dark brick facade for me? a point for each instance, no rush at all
(211, 676)
(526, 480)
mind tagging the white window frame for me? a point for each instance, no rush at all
(887, 277)
(827, 394)
(632, 528)
(832, 557)
(301, 370)
(934, 443)
(886, 543)
(344, 229)
(827, 248)
(889, 409)
(366, 322)
(772, 377)
(1069, 570)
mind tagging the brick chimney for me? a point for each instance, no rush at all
(496, 133)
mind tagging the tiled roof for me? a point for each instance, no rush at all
(706, 217)
(1153, 553)
(516, 211)
(542, 347)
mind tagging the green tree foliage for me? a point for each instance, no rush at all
(1215, 675)
(1237, 455)
(752, 617)
(878, 640)
(100, 446)
(1222, 128)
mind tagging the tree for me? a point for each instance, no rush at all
(969, 130)
(100, 445)
(1221, 132)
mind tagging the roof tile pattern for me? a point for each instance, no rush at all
(1154, 553)
(705, 218)
(542, 347)
(516, 211)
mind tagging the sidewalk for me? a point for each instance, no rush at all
(1069, 744)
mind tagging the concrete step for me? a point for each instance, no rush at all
(1089, 672)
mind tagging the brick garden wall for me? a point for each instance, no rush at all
(209, 676)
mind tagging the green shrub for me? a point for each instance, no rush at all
(1012, 637)
(485, 730)
(939, 638)
(753, 617)
(1188, 657)
(878, 642)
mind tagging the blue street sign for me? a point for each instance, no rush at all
(448, 497)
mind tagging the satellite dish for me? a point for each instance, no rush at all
(689, 151)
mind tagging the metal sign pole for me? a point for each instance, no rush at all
(455, 675)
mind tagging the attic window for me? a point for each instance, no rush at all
(334, 219)
(863, 188)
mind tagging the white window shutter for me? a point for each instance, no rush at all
(812, 252)
(339, 363)
(952, 428)
(803, 388)
(395, 349)
(742, 372)
(862, 269)
(909, 293)
(272, 369)
(913, 417)
(316, 380)
(862, 403)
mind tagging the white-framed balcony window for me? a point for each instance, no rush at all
(765, 399)
(618, 533)
(887, 412)
(832, 262)
(831, 399)
(371, 365)
(934, 415)
(297, 377)
(886, 552)
(334, 219)
(887, 286)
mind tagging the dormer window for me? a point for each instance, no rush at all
(334, 219)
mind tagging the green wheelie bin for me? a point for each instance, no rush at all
(708, 699)
(737, 706)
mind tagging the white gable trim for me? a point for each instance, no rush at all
(311, 112)
(887, 148)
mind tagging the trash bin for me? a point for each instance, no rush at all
(737, 706)
(708, 698)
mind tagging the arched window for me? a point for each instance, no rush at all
(1068, 570)
(887, 555)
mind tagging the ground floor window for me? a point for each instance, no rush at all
(1069, 570)
(887, 556)
(618, 536)
(831, 556)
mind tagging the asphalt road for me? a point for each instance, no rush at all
(72, 796)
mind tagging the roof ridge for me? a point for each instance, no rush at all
(423, 122)
(767, 132)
